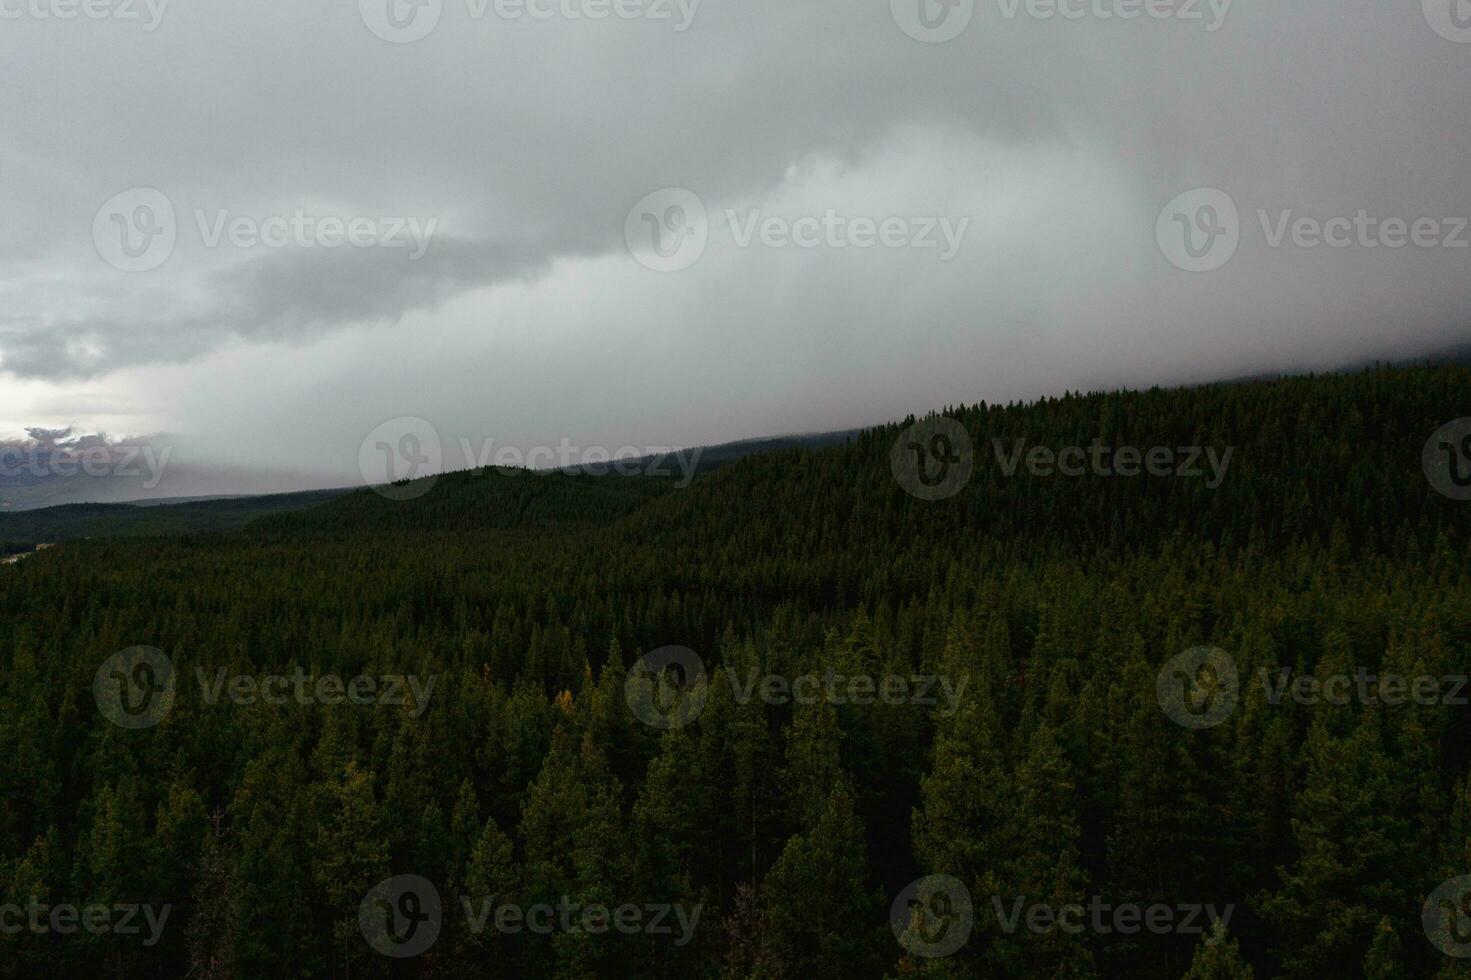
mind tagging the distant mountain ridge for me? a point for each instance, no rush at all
(23, 488)
(23, 530)
(507, 501)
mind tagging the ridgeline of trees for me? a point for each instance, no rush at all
(524, 777)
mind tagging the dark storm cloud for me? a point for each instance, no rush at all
(286, 296)
(527, 141)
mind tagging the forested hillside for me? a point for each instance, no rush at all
(1006, 715)
(23, 530)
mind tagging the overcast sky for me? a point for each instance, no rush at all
(464, 229)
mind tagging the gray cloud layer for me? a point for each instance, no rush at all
(527, 142)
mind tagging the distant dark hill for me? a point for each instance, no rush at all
(504, 499)
(20, 531)
(484, 499)
(479, 500)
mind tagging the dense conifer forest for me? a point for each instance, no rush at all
(1198, 724)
